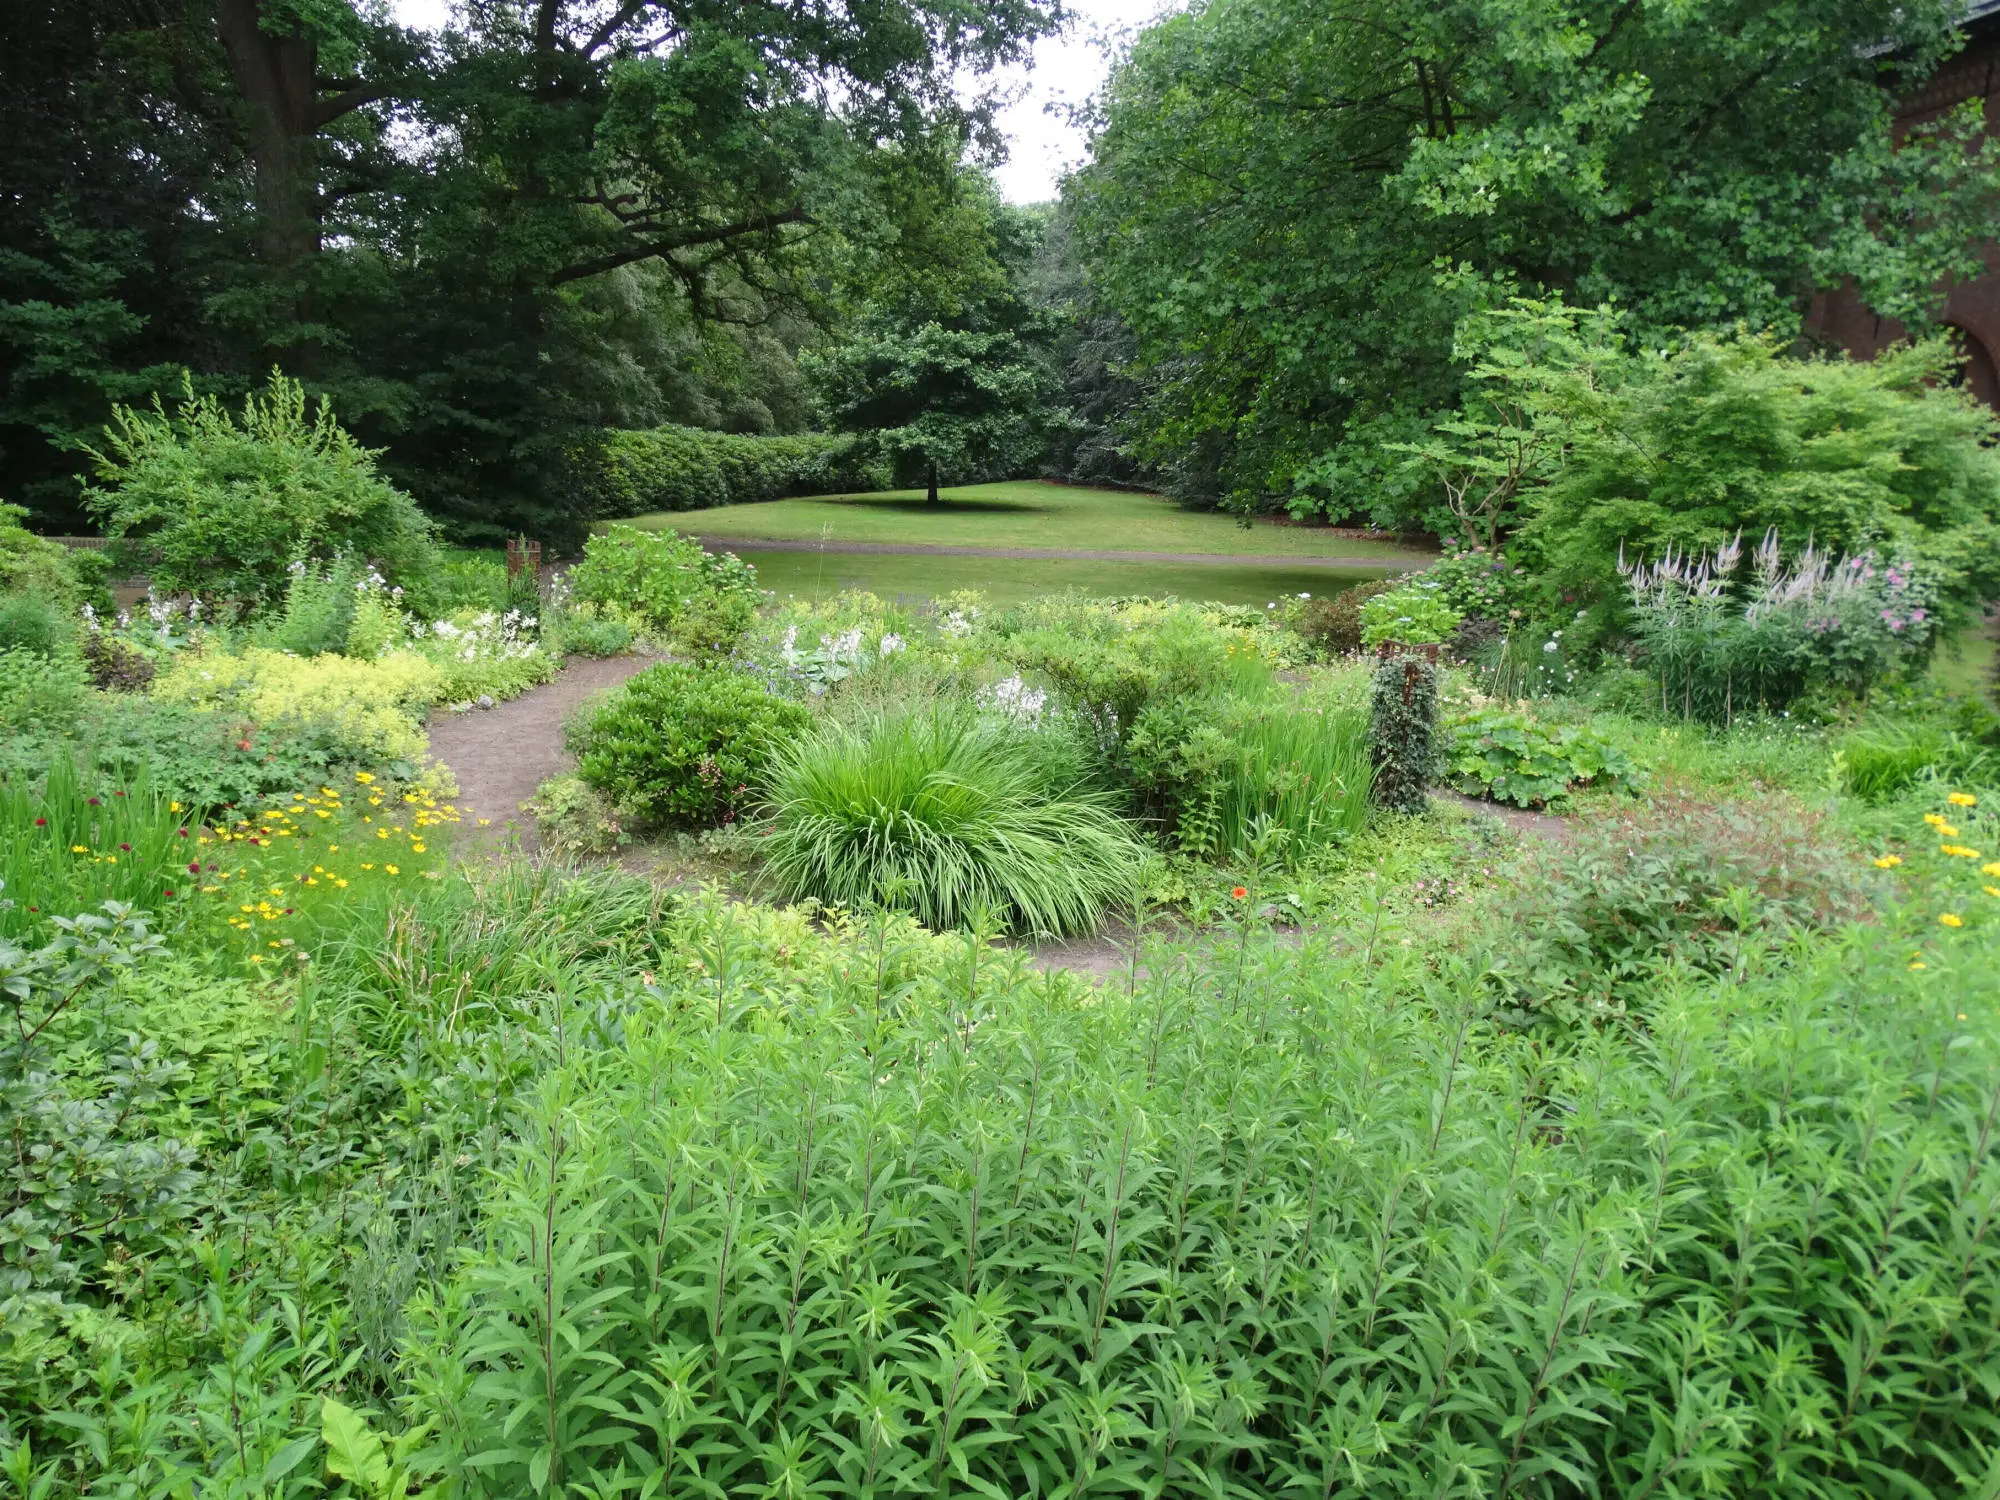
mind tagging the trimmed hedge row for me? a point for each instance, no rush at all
(687, 468)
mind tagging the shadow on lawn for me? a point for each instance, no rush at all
(917, 505)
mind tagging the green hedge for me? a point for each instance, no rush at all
(686, 468)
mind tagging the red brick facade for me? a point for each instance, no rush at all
(1971, 307)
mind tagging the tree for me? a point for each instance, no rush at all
(945, 404)
(954, 375)
(1277, 187)
(561, 215)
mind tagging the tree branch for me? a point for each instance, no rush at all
(325, 111)
(618, 22)
(684, 239)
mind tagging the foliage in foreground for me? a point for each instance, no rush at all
(1250, 1227)
(667, 584)
(962, 819)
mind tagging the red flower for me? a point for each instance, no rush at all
(242, 744)
(124, 848)
(41, 822)
(168, 894)
(195, 868)
(182, 834)
(93, 802)
(1239, 892)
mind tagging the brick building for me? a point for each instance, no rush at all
(1971, 307)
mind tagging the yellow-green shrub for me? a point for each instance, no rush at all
(373, 708)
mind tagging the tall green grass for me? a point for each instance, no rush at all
(948, 815)
(1299, 764)
(77, 837)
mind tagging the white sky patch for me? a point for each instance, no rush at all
(1042, 141)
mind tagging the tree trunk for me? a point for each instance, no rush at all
(932, 497)
(274, 74)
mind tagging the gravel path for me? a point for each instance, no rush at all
(1058, 554)
(501, 754)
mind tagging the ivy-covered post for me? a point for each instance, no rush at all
(1403, 724)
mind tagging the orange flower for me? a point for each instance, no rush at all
(1239, 892)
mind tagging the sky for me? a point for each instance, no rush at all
(1067, 70)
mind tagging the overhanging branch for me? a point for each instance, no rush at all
(684, 239)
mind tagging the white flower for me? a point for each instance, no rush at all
(1548, 645)
(1303, 595)
(956, 623)
(890, 644)
(1016, 699)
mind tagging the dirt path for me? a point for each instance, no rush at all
(501, 754)
(1059, 554)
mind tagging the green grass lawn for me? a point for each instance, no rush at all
(811, 575)
(1024, 514)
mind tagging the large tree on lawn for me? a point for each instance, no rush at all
(947, 405)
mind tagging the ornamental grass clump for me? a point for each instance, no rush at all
(948, 813)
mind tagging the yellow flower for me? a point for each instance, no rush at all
(363, 777)
(1951, 919)
(1958, 851)
(1991, 890)
(1992, 869)
(1947, 831)
(485, 822)
(1962, 799)
(1918, 964)
(381, 833)
(256, 958)
(173, 807)
(321, 812)
(368, 865)
(79, 848)
(340, 883)
(1888, 861)
(1934, 820)
(392, 869)
(417, 846)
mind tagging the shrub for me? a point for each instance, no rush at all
(1414, 613)
(1675, 882)
(317, 609)
(687, 468)
(47, 570)
(1729, 435)
(372, 711)
(947, 815)
(39, 692)
(1508, 756)
(226, 504)
(669, 583)
(203, 757)
(116, 666)
(29, 623)
(1405, 747)
(461, 578)
(1333, 623)
(1217, 771)
(574, 818)
(586, 631)
(684, 745)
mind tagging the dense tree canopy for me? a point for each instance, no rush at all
(1292, 206)
(555, 217)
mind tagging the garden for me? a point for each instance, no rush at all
(1547, 1045)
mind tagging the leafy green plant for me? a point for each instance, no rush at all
(226, 504)
(684, 745)
(920, 1222)
(1511, 757)
(699, 598)
(1219, 771)
(478, 653)
(573, 818)
(35, 567)
(587, 631)
(1415, 613)
(946, 814)
(39, 692)
(1678, 882)
(1333, 622)
(31, 623)
(1404, 742)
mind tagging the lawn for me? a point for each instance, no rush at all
(815, 575)
(1024, 514)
